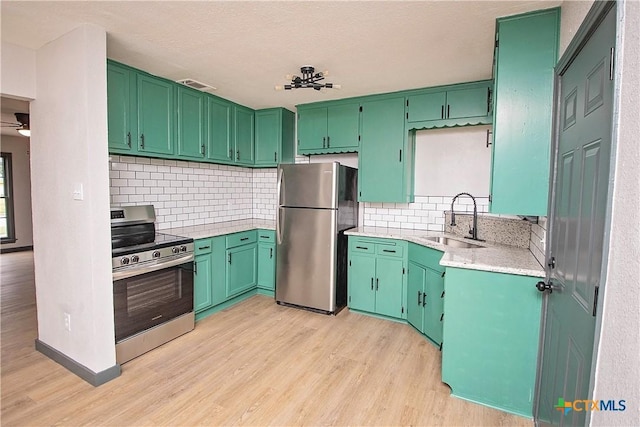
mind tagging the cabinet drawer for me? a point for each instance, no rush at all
(363, 247)
(390, 250)
(202, 246)
(268, 236)
(243, 238)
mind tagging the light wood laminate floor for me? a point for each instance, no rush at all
(254, 364)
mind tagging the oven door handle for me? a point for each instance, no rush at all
(138, 270)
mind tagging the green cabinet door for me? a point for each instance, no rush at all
(120, 92)
(433, 298)
(244, 135)
(241, 269)
(202, 281)
(268, 136)
(312, 130)
(156, 115)
(464, 103)
(427, 106)
(388, 286)
(416, 280)
(383, 160)
(191, 123)
(343, 127)
(526, 55)
(362, 294)
(492, 361)
(266, 266)
(219, 130)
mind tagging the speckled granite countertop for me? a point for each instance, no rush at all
(220, 228)
(492, 257)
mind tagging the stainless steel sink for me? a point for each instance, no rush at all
(448, 241)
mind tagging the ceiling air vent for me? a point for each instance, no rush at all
(196, 85)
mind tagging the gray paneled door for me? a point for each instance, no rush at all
(577, 229)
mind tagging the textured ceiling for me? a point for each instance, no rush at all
(244, 48)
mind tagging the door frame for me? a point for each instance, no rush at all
(589, 25)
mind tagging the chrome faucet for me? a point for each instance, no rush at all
(474, 230)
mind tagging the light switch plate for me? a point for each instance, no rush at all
(78, 192)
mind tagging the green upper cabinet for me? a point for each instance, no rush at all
(329, 129)
(219, 130)
(527, 51)
(447, 106)
(312, 130)
(385, 162)
(274, 139)
(191, 123)
(156, 115)
(244, 135)
(121, 88)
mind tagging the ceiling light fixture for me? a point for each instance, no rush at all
(23, 119)
(22, 126)
(309, 79)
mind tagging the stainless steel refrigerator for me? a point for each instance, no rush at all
(316, 204)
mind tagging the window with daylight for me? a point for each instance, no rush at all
(6, 201)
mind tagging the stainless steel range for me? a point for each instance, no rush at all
(152, 282)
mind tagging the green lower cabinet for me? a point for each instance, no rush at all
(266, 260)
(491, 333)
(362, 271)
(376, 277)
(242, 271)
(425, 291)
(202, 294)
(209, 276)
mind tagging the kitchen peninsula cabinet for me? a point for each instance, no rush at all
(525, 55)
(425, 292)
(385, 162)
(332, 128)
(491, 332)
(275, 135)
(376, 276)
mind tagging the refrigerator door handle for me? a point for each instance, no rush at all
(279, 207)
(279, 224)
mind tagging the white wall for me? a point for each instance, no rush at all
(72, 254)
(450, 161)
(18, 72)
(19, 149)
(618, 364)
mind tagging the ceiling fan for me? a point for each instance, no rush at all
(22, 125)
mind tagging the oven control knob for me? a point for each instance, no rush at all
(175, 250)
(124, 260)
(135, 258)
(156, 254)
(183, 248)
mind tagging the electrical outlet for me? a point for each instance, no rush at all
(67, 322)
